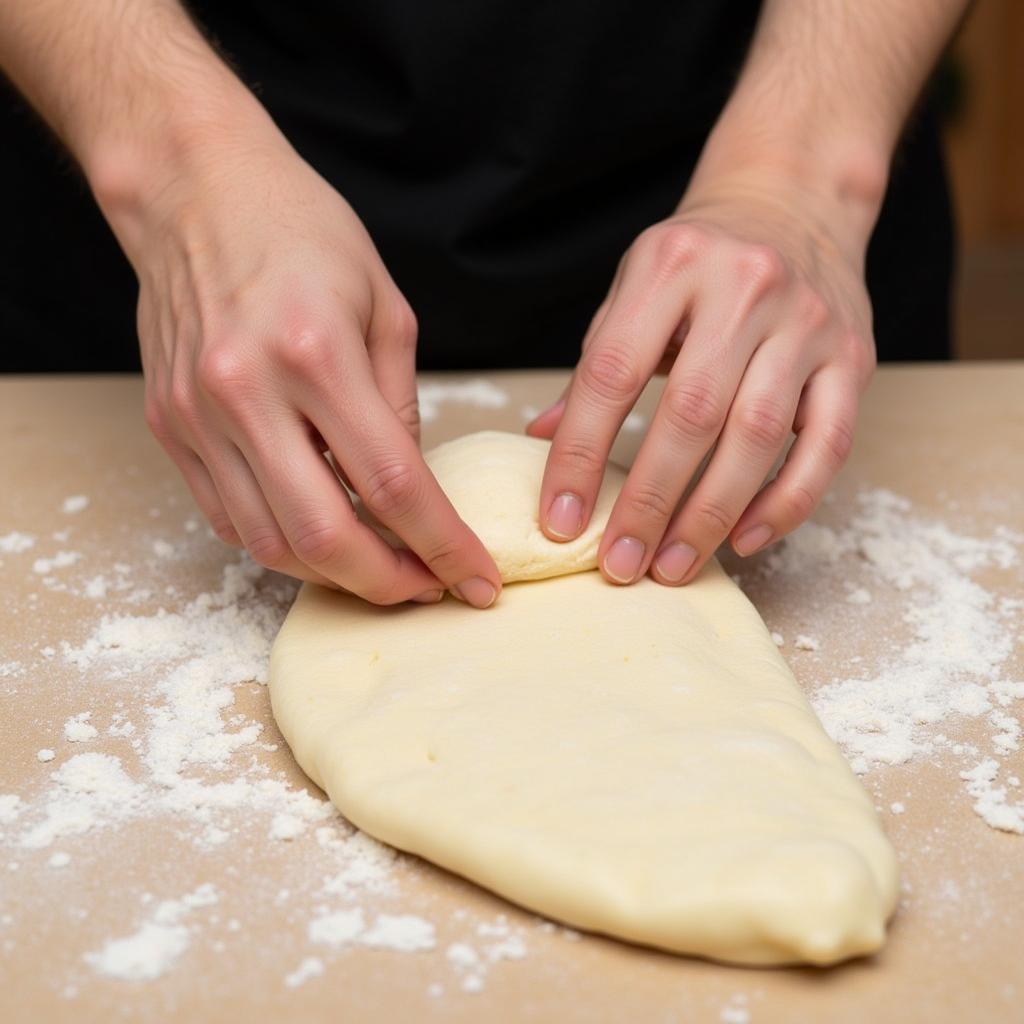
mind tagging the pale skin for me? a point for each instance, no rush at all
(271, 331)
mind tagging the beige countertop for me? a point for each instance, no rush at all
(950, 439)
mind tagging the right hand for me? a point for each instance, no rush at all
(270, 332)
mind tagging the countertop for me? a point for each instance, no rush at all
(940, 449)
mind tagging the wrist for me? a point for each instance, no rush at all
(836, 181)
(175, 142)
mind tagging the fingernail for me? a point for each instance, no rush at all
(428, 597)
(476, 591)
(674, 562)
(565, 517)
(623, 561)
(751, 540)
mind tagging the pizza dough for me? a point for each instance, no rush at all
(636, 761)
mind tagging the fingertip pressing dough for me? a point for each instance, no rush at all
(635, 761)
(493, 480)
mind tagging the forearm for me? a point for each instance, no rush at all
(130, 86)
(822, 99)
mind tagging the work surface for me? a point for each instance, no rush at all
(171, 815)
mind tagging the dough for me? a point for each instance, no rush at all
(493, 479)
(636, 761)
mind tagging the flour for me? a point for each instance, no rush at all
(89, 791)
(61, 560)
(74, 504)
(481, 394)
(406, 933)
(311, 967)
(78, 729)
(15, 543)
(158, 943)
(337, 929)
(10, 807)
(950, 663)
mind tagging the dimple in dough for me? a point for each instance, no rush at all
(635, 761)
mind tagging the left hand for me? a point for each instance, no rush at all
(756, 309)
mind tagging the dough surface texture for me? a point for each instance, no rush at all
(635, 761)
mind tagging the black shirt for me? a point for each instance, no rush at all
(502, 155)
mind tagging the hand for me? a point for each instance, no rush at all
(757, 311)
(271, 332)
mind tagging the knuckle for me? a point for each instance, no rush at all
(577, 457)
(156, 418)
(713, 518)
(409, 414)
(837, 438)
(763, 424)
(693, 409)
(316, 541)
(860, 352)
(648, 502)
(306, 350)
(222, 373)
(182, 401)
(611, 373)
(813, 312)
(404, 328)
(394, 490)
(442, 557)
(268, 547)
(760, 268)
(677, 246)
(224, 529)
(798, 503)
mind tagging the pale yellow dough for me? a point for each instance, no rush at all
(634, 761)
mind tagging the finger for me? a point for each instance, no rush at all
(387, 471)
(318, 525)
(201, 484)
(825, 423)
(546, 423)
(686, 424)
(191, 467)
(252, 516)
(756, 429)
(618, 360)
(391, 346)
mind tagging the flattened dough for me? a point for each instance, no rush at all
(637, 761)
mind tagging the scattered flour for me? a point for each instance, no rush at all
(60, 859)
(10, 807)
(337, 929)
(960, 637)
(404, 933)
(76, 503)
(15, 543)
(805, 643)
(61, 560)
(311, 967)
(158, 943)
(45, 754)
(78, 729)
(479, 393)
